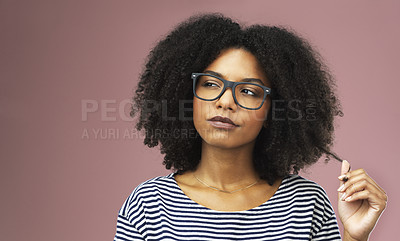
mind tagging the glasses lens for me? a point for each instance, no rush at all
(208, 87)
(248, 95)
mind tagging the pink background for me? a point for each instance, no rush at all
(58, 184)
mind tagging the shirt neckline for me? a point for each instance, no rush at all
(279, 190)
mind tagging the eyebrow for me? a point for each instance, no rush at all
(250, 80)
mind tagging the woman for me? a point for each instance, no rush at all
(262, 107)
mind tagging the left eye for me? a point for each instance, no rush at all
(249, 92)
(209, 84)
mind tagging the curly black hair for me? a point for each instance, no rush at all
(297, 134)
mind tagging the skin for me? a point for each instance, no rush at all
(226, 161)
(234, 65)
(361, 203)
(227, 154)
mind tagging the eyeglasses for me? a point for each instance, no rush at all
(247, 95)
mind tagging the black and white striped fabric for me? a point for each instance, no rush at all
(158, 209)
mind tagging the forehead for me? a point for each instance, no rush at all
(236, 64)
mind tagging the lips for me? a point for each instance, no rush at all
(222, 122)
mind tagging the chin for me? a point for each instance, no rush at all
(224, 142)
(221, 144)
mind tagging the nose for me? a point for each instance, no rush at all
(226, 100)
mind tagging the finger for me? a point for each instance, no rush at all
(344, 170)
(349, 174)
(359, 186)
(357, 175)
(355, 187)
(374, 200)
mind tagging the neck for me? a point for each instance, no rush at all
(227, 169)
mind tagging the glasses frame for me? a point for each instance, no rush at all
(232, 85)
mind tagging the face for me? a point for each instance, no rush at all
(234, 65)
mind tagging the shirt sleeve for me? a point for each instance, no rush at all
(328, 231)
(126, 229)
(325, 226)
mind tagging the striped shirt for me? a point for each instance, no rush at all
(157, 209)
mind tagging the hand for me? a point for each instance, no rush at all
(361, 203)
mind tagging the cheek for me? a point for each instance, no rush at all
(198, 112)
(255, 117)
(200, 116)
(264, 111)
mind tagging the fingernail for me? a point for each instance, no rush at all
(343, 196)
(341, 177)
(341, 188)
(349, 165)
(348, 198)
